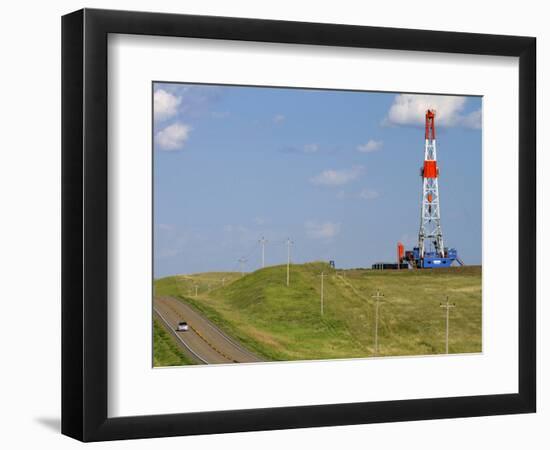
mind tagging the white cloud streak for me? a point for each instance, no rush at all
(279, 118)
(369, 194)
(220, 114)
(166, 227)
(165, 104)
(321, 230)
(332, 177)
(173, 137)
(410, 109)
(370, 146)
(311, 148)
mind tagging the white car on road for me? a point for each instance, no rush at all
(182, 326)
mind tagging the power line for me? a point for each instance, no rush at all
(288, 243)
(262, 242)
(378, 296)
(447, 307)
(247, 256)
(242, 262)
(322, 293)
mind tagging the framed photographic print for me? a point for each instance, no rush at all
(273, 224)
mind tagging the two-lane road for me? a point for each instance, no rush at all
(204, 342)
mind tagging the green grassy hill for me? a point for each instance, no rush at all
(285, 323)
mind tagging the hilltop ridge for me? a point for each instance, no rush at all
(283, 322)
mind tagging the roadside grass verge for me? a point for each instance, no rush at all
(165, 350)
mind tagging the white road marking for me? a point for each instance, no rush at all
(179, 337)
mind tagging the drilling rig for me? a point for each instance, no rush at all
(431, 251)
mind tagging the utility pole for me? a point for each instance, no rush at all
(196, 289)
(378, 296)
(262, 242)
(242, 262)
(447, 306)
(322, 293)
(288, 244)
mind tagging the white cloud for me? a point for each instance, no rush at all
(332, 177)
(321, 230)
(173, 137)
(369, 194)
(176, 242)
(311, 148)
(472, 120)
(410, 109)
(230, 228)
(192, 101)
(166, 226)
(279, 118)
(165, 104)
(370, 146)
(220, 114)
(237, 235)
(341, 195)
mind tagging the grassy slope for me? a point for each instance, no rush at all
(165, 350)
(284, 323)
(205, 282)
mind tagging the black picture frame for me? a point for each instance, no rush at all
(84, 224)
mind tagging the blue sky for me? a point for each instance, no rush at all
(336, 171)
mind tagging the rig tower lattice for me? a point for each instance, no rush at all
(430, 218)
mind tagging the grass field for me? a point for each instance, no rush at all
(285, 323)
(165, 350)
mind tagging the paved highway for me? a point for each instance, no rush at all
(204, 342)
